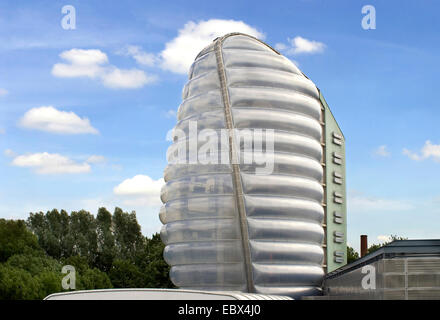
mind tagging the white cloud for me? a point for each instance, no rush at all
(126, 79)
(84, 57)
(82, 63)
(383, 239)
(48, 118)
(9, 153)
(140, 190)
(382, 151)
(359, 203)
(96, 159)
(141, 57)
(3, 92)
(180, 52)
(171, 114)
(50, 163)
(429, 150)
(94, 64)
(300, 45)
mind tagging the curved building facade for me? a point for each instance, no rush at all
(246, 215)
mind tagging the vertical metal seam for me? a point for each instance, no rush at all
(238, 187)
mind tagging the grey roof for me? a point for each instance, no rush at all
(397, 247)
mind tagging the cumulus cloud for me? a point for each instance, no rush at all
(94, 64)
(96, 159)
(49, 119)
(300, 45)
(141, 190)
(429, 150)
(50, 163)
(3, 92)
(360, 203)
(143, 58)
(126, 79)
(382, 151)
(180, 52)
(81, 63)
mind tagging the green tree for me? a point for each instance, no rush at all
(125, 274)
(18, 284)
(106, 250)
(93, 279)
(15, 238)
(52, 230)
(352, 255)
(83, 232)
(49, 282)
(129, 240)
(375, 247)
(154, 266)
(35, 264)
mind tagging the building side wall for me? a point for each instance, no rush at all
(335, 192)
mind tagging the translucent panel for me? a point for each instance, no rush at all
(200, 230)
(208, 120)
(282, 186)
(279, 230)
(289, 164)
(198, 208)
(208, 275)
(206, 50)
(209, 101)
(288, 275)
(206, 82)
(283, 208)
(258, 59)
(243, 42)
(268, 98)
(227, 226)
(197, 186)
(202, 65)
(292, 143)
(286, 252)
(293, 291)
(276, 120)
(253, 77)
(176, 171)
(204, 252)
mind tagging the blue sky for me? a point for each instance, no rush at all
(113, 85)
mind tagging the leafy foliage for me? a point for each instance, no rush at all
(352, 255)
(375, 247)
(107, 251)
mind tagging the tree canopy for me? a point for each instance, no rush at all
(107, 251)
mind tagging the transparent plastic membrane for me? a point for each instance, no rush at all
(272, 244)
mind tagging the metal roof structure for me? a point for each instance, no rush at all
(395, 248)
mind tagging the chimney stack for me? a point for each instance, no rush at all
(364, 245)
